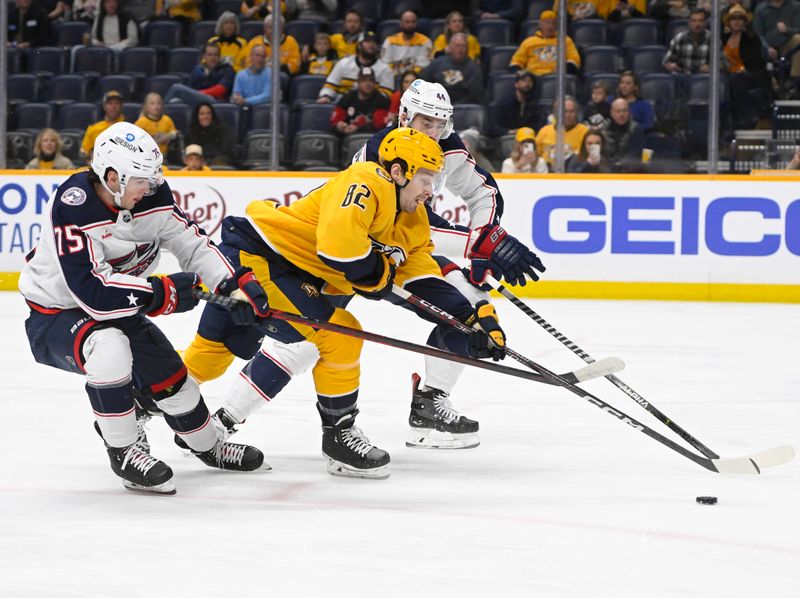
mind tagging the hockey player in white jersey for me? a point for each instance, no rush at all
(433, 421)
(88, 291)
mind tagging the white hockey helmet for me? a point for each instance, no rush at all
(430, 99)
(132, 153)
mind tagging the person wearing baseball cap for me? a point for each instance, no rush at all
(194, 160)
(363, 109)
(524, 157)
(515, 110)
(538, 53)
(112, 113)
(345, 72)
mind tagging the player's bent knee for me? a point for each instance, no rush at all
(296, 358)
(336, 347)
(108, 357)
(206, 360)
(181, 399)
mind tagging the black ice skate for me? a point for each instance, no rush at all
(227, 455)
(140, 471)
(349, 452)
(435, 424)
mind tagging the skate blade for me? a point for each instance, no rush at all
(340, 469)
(433, 439)
(165, 489)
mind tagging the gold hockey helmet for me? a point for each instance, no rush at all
(415, 148)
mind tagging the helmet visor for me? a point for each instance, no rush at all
(149, 184)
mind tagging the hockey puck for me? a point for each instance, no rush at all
(706, 500)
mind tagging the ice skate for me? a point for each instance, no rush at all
(435, 424)
(349, 452)
(227, 455)
(140, 471)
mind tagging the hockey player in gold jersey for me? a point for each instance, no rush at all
(363, 231)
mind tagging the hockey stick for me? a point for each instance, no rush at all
(596, 370)
(752, 464)
(611, 377)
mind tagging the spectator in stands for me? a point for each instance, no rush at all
(624, 138)
(154, 121)
(289, 49)
(538, 53)
(641, 110)
(622, 10)
(255, 9)
(511, 10)
(345, 43)
(47, 150)
(321, 58)
(592, 157)
(85, 10)
(112, 113)
(408, 48)
(194, 160)
(746, 67)
(460, 76)
(406, 79)
(114, 28)
(515, 110)
(596, 113)
(574, 132)
(362, 110)
(777, 23)
(184, 12)
(227, 37)
(345, 72)
(28, 25)
(316, 10)
(210, 81)
(586, 9)
(523, 157)
(794, 163)
(57, 10)
(455, 24)
(688, 51)
(253, 85)
(472, 141)
(206, 131)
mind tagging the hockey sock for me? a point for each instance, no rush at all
(115, 412)
(331, 409)
(258, 382)
(186, 413)
(439, 373)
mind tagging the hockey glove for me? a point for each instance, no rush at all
(496, 251)
(172, 294)
(382, 288)
(489, 340)
(245, 286)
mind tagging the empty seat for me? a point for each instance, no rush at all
(501, 85)
(497, 58)
(258, 150)
(142, 61)
(229, 117)
(33, 116)
(527, 29)
(251, 29)
(22, 88)
(638, 32)
(436, 28)
(19, 148)
(397, 7)
(182, 60)
(699, 88)
(387, 28)
(78, 115)
(13, 60)
(600, 59)
(466, 116)
(647, 59)
(260, 118)
(493, 32)
(221, 6)
(180, 113)
(47, 61)
(67, 88)
(131, 111)
(69, 33)
(674, 27)
(369, 9)
(546, 86)
(589, 32)
(659, 88)
(162, 34)
(124, 84)
(537, 6)
(351, 144)
(200, 32)
(305, 87)
(314, 117)
(315, 149)
(71, 140)
(93, 61)
(161, 83)
(303, 30)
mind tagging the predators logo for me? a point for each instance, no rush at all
(310, 289)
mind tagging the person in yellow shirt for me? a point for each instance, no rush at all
(574, 132)
(408, 48)
(228, 39)
(47, 152)
(538, 53)
(112, 109)
(346, 43)
(362, 232)
(454, 23)
(156, 123)
(193, 159)
(289, 49)
(587, 9)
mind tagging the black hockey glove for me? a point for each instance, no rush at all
(382, 288)
(245, 286)
(496, 251)
(489, 340)
(172, 294)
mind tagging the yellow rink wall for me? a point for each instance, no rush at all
(696, 238)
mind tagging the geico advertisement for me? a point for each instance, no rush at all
(640, 229)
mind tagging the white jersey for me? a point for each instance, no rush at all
(96, 258)
(344, 76)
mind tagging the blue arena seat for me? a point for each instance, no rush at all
(94, 61)
(493, 32)
(22, 88)
(315, 149)
(589, 32)
(638, 32)
(467, 116)
(180, 113)
(229, 116)
(183, 60)
(305, 87)
(497, 58)
(124, 84)
(47, 61)
(141, 61)
(162, 34)
(601, 59)
(303, 30)
(33, 116)
(647, 59)
(67, 88)
(78, 115)
(200, 32)
(70, 33)
(314, 117)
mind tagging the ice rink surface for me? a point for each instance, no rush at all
(560, 499)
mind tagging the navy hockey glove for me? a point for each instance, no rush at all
(245, 286)
(504, 255)
(380, 289)
(489, 340)
(172, 294)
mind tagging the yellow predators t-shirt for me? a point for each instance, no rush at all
(339, 222)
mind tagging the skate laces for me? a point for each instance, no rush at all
(229, 452)
(138, 459)
(354, 439)
(141, 431)
(444, 407)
